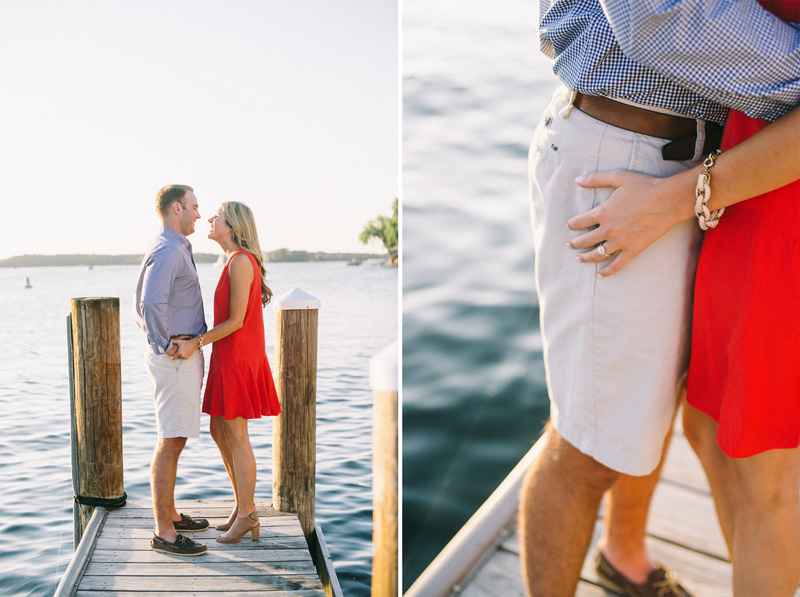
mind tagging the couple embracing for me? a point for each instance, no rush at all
(623, 160)
(168, 306)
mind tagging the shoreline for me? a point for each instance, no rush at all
(277, 256)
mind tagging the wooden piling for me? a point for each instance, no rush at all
(294, 430)
(383, 379)
(96, 387)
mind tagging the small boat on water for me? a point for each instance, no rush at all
(354, 261)
(220, 262)
(28, 283)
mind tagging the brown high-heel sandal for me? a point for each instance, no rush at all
(242, 526)
(224, 526)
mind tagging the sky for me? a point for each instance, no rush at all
(289, 107)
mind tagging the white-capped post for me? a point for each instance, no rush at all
(383, 374)
(294, 430)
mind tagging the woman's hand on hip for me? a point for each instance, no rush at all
(639, 212)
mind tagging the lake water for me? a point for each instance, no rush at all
(358, 318)
(474, 396)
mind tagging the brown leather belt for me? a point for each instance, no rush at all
(682, 131)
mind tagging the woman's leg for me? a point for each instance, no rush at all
(216, 427)
(701, 431)
(758, 505)
(766, 539)
(244, 463)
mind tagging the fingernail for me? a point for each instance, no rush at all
(569, 245)
(578, 259)
(579, 180)
(600, 276)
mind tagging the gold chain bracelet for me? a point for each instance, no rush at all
(707, 219)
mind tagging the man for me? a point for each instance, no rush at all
(168, 306)
(616, 347)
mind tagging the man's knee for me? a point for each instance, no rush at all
(575, 466)
(170, 447)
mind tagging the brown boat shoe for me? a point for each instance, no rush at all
(182, 546)
(189, 524)
(661, 582)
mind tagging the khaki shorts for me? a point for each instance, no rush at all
(176, 395)
(616, 348)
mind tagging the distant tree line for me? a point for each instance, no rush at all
(279, 255)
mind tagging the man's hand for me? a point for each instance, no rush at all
(185, 348)
(172, 350)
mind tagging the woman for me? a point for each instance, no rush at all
(239, 385)
(743, 389)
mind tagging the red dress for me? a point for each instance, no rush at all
(745, 364)
(239, 378)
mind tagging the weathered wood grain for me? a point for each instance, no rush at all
(177, 584)
(97, 386)
(294, 430)
(241, 555)
(123, 563)
(237, 593)
(384, 494)
(206, 567)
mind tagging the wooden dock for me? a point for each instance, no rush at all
(117, 559)
(683, 533)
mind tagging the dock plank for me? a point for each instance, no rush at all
(301, 593)
(175, 584)
(130, 544)
(244, 555)
(216, 568)
(123, 563)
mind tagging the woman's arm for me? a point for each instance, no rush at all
(642, 208)
(240, 273)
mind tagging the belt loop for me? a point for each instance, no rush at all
(568, 108)
(700, 143)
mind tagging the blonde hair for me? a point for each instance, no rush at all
(240, 219)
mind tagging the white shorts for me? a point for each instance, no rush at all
(615, 348)
(176, 395)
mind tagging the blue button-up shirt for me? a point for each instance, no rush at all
(167, 300)
(695, 57)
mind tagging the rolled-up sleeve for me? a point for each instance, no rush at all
(736, 53)
(158, 273)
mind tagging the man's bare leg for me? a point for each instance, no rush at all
(163, 471)
(559, 502)
(627, 509)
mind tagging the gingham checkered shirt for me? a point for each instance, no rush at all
(695, 57)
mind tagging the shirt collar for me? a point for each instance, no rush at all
(177, 236)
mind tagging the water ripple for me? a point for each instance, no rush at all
(358, 318)
(474, 396)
